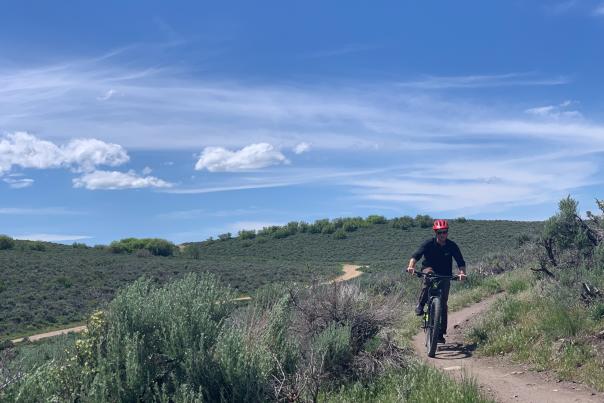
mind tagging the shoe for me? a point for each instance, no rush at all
(441, 339)
(419, 310)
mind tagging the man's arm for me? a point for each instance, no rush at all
(461, 264)
(411, 265)
(416, 256)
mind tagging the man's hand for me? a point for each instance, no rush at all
(462, 276)
(410, 270)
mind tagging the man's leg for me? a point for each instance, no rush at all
(445, 285)
(423, 294)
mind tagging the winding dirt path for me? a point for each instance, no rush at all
(350, 271)
(497, 378)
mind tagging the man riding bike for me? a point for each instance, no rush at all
(438, 253)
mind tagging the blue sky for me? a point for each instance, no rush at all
(185, 120)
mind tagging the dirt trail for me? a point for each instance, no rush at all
(499, 379)
(54, 333)
(350, 271)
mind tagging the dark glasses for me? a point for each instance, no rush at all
(442, 232)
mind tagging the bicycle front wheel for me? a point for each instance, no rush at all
(433, 327)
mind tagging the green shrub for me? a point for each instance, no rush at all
(349, 226)
(157, 247)
(404, 222)
(318, 226)
(246, 366)
(333, 347)
(192, 251)
(566, 231)
(64, 282)
(303, 226)
(79, 245)
(561, 321)
(225, 236)
(281, 233)
(461, 220)
(142, 253)
(597, 311)
(376, 219)
(423, 221)
(243, 234)
(340, 234)
(328, 229)
(6, 242)
(154, 337)
(37, 246)
(517, 285)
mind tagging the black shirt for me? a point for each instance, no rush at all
(440, 258)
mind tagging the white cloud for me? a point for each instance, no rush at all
(19, 183)
(147, 170)
(253, 156)
(301, 148)
(27, 151)
(51, 237)
(117, 180)
(599, 11)
(479, 185)
(106, 96)
(37, 211)
(481, 81)
(561, 7)
(555, 111)
(86, 154)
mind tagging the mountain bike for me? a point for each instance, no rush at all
(433, 316)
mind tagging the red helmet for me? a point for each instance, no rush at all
(440, 224)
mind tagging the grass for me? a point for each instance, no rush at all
(543, 324)
(417, 383)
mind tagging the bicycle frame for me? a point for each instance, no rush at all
(433, 316)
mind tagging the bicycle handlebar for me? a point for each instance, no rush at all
(454, 277)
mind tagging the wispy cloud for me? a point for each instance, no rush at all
(341, 51)
(555, 111)
(280, 179)
(480, 184)
(113, 180)
(20, 183)
(415, 118)
(478, 81)
(38, 211)
(301, 148)
(201, 213)
(214, 189)
(106, 96)
(599, 10)
(561, 7)
(156, 102)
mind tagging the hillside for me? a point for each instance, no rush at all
(55, 285)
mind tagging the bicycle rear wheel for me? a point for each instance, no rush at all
(433, 327)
